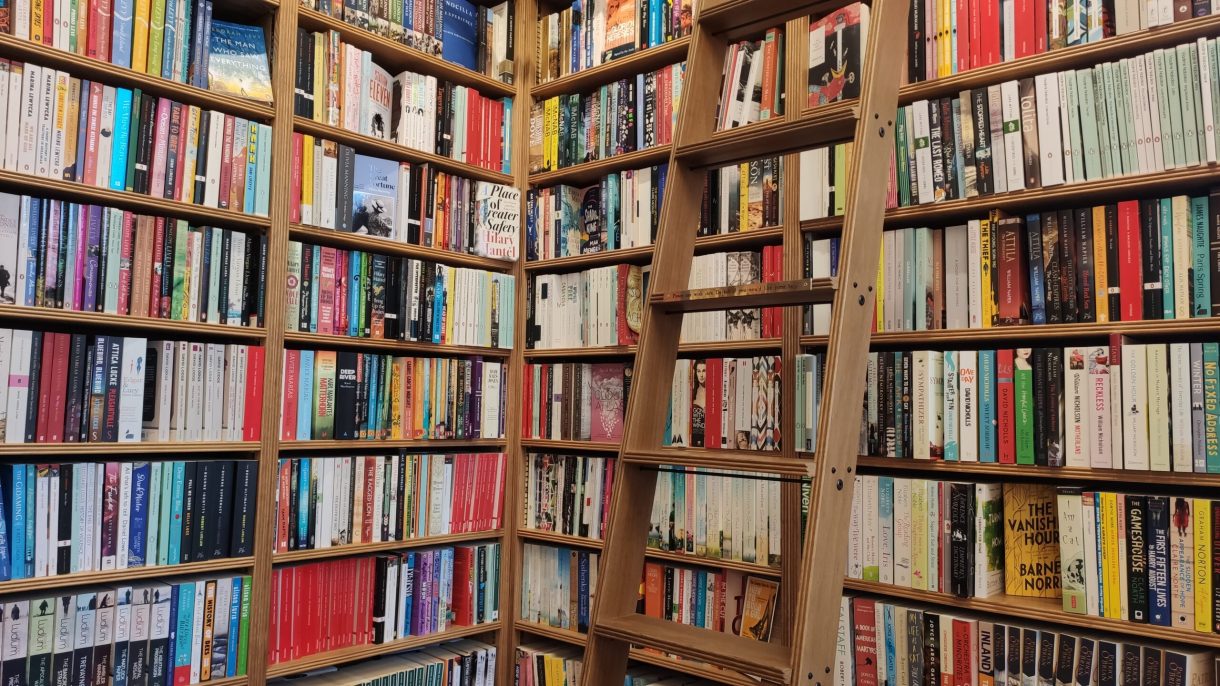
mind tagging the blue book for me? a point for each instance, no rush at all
(262, 196)
(140, 478)
(14, 518)
(374, 420)
(1167, 311)
(438, 304)
(1211, 372)
(252, 146)
(582, 604)
(236, 61)
(1037, 277)
(195, 62)
(1159, 611)
(950, 407)
(5, 561)
(575, 54)
(305, 397)
(987, 404)
(354, 265)
(891, 657)
(700, 580)
(175, 516)
(1097, 538)
(120, 34)
(313, 298)
(1202, 285)
(655, 10)
(31, 504)
(508, 135)
(304, 506)
(33, 221)
(171, 645)
(165, 514)
(407, 574)
(459, 33)
(234, 625)
(186, 617)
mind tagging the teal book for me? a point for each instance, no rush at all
(1213, 59)
(175, 523)
(1104, 131)
(165, 514)
(952, 453)
(122, 134)
(1114, 121)
(253, 143)
(314, 293)
(1166, 222)
(614, 239)
(900, 151)
(1211, 405)
(1126, 122)
(1201, 294)
(923, 253)
(1188, 89)
(885, 527)
(305, 397)
(262, 193)
(987, 406)
(908, 280)
(185, 634)
(17, 520)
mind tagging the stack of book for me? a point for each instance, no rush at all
(742, 197)
(374, 600)
(568, 494)
(369, 295)
(598, 307)
(576, 402)
(725, 403)
(752, 83)
(623, 210)
(59, 127)
(718, 270)
(69, 518)
(557, 585)
(338, 84)
(77, 388)
(1140, 115)
(325, 502)
(590, 34)
(463, 661)
(89, 258)
(635, 113)
(717, 516)
(346, 395)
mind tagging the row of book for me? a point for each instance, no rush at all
(725, 403)
(752, 81)
(1136, 406)
(326, 502)
(90, 517)
(882, 642)
(623, 210)
(575, 401)
(718, 515)
(568, 494)
(724, 600)
(557, 585)
(452, 662)
(597, 307)
(824, 172)
(541, 664)
(335, 188)
(742, 197)
(737, 268)
(631, 114)
(59, 127)
(323, 606)
(338, 84)
(76, 388)
(89, 258)
(1140, 115)
(369, 295)
(479, 38)
(347, 395)
(590, 34)
(953, 39)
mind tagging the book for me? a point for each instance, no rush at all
(1031, 542)
(837, 43)
(237, 61)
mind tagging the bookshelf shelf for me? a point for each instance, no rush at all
(525, 533)
(395, 57)
(737, 19)
(47, 583)
(741, 240)
(586, 173)
(137, 202)
(354, 241)
(197, 449)
(538, 445)
(824, 124)
(303, 339)
(368, 145)
(586, 80)
(428, 445)
(553, 538)
(114, 75)
(56, 318)
(364, 652)
(592, 352)
(381, 547)
(940, 469)
(767, 462)
(1038, 334)
(1040, 610)
(706, 348)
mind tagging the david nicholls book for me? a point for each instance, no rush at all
(237, 63)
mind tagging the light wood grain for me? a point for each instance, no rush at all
(364, 652)
(47, 318)
(306, 340)
(639, 62)
(353, 241)
(295, 556)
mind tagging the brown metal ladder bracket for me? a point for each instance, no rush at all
(808, 656)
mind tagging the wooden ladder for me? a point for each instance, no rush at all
(805, 650)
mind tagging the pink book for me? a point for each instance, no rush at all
(226, 163)
(326, 292)
(93, 126)
(606, 389)
(160, 147)
(127, 245)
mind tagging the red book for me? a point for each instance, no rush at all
(46, 372)
(975, 19)
(237, 187)
(625, 335)
(184, 124)
(101, 28)
(1006, 407)
(126, 247)
(282, 514)
(326, 292)
(989, 31)
(338, 293)
(226, 163)
(288, 421)
(463, 585)
(1130, 261)
(863, 620)
(527, 385)
(1012, 276)
(544, 403)
(59, 387)
(154, 289)
(607, 489)
(294, 203)
(654, 590)
(1040, 26)
(712, 424)
(965, 657)
(963, 34)
(1024, 32)
(252, 424)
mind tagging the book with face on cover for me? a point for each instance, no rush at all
(237, 61)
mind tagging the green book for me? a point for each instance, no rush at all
(900, 158)
(1164, 113)
(243, 637)
(73, 24)
(1200, 253)
(164, 514)
(1211, 405)
(1187, 89)
(177, 308)
(1112, 119)
(1103, 122)
(923, 253)
(1213, 59)
(1074, 131)
(908, 279)
(156, 38)
(1126, 123)
(1166, 222)
(1174, 92)
(1196, 80)
(1088, 132)
(1023, 391)
(183, 42)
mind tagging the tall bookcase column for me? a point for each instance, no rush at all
(283, 49)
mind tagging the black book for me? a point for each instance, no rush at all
(1137, 557)
(201, 176)
(1067, 266)
(35, 383)
(961, 546)
(255, 303)
(1051, 248)
(1054, 407)
(103, 644)
(1215, 515)
(931, 647)
(62, 663)
(1084, 661)
(885, 404)
(217, 539)
(1153, 659)
(1130, 667)
(1029, 655)
(167, 266)
(482, 577)
(206, 268)
(1113, 262)
(82, 646)
(190, 502)
(983, 162)
(294, 503)
(244, 499)
(1012, 652)
(1086, 307)
(917, 42)
(381, 632)
(1150, 239)
(1213, 218)
(122, 648)
(203, 529)
(1107, 664)
(914, 645)
(936, 138)
(668, 607)
(345, 395)
(948, 147)
(1065, 659)
(144, 146)
(999, 654)
(907, 424)
(63, 552)
(392, 297)
(77, 354)
(171, 157)
(304, 322)
(1041, 410)
(226, 272)
(361, 406)
(137, 664)
(114, 362)
(310, 493)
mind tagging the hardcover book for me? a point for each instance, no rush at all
(497, 218)
(1031, 541)
(374, 196)
(237, 61)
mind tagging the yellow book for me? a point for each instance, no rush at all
(139, 35)
(944, 35)
(417, 405)
(1203, 565)
(307, 180)
(451, 290)
(1031, 544)
(319, 76)
(919, 534)
(71, 122)
(395, 400)
(191, 163)
(36, 18)
(879, 299)
(1101, 278)
(1182, 260)
(986, 295)
(1109, 555)
(743, 196)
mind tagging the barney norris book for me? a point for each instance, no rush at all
(237, 61)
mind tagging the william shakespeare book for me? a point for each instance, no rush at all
(237, 63)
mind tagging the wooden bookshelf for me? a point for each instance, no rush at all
(536, 445)
(364, 652)
(49, 318)
(53, 583)
(354, 549)
(984, 471)
(586, 173)
(741, 240)
(306, 340)
(1025, 335)
(355, 241)
(437, 445)
(196, 449)
(710, 348)
(584, 81)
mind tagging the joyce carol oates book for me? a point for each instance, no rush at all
(836, 54)
(237, 61)
(497, 220)
(1031, 541)
(374, 196)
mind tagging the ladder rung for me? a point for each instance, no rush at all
(744, 18)
(734, 460)
(766, 294)
(825, 124)
(767, 661)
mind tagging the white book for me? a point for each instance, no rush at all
(921, 397)
(999, 160)
(819, 267)
(18, 385)
(151, 529)
(934, 532)
(957, 277)
(158, 360)
(1050, 144)
(27, 154)
(1014, 161)
(1153, 95)
(967, 394)
(1138, 98)
(131, 389)
(1135, 406)
(6, 343)
(105, 139)
(855, 545)
(1206, 77)
(211, 189)
(845, 660)
(124, 529)
(1089, 520)
(974, 265)
(1075, 396)
(197, 627)
(869, 516)
(1179, 407)
(1071, 549)
(12, 114)
(1097, 415)
(923, 150)
(46, 122)
(1066, 115)
(1159, 458)
(193, 426)
(989, 502)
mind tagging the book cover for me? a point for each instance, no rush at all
(758, 611)
(837, 43)
(237, 61)
(374, 193)
(459, 33)
(1031, 541)
(497, 218)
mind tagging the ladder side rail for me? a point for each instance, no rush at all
(825, 549)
